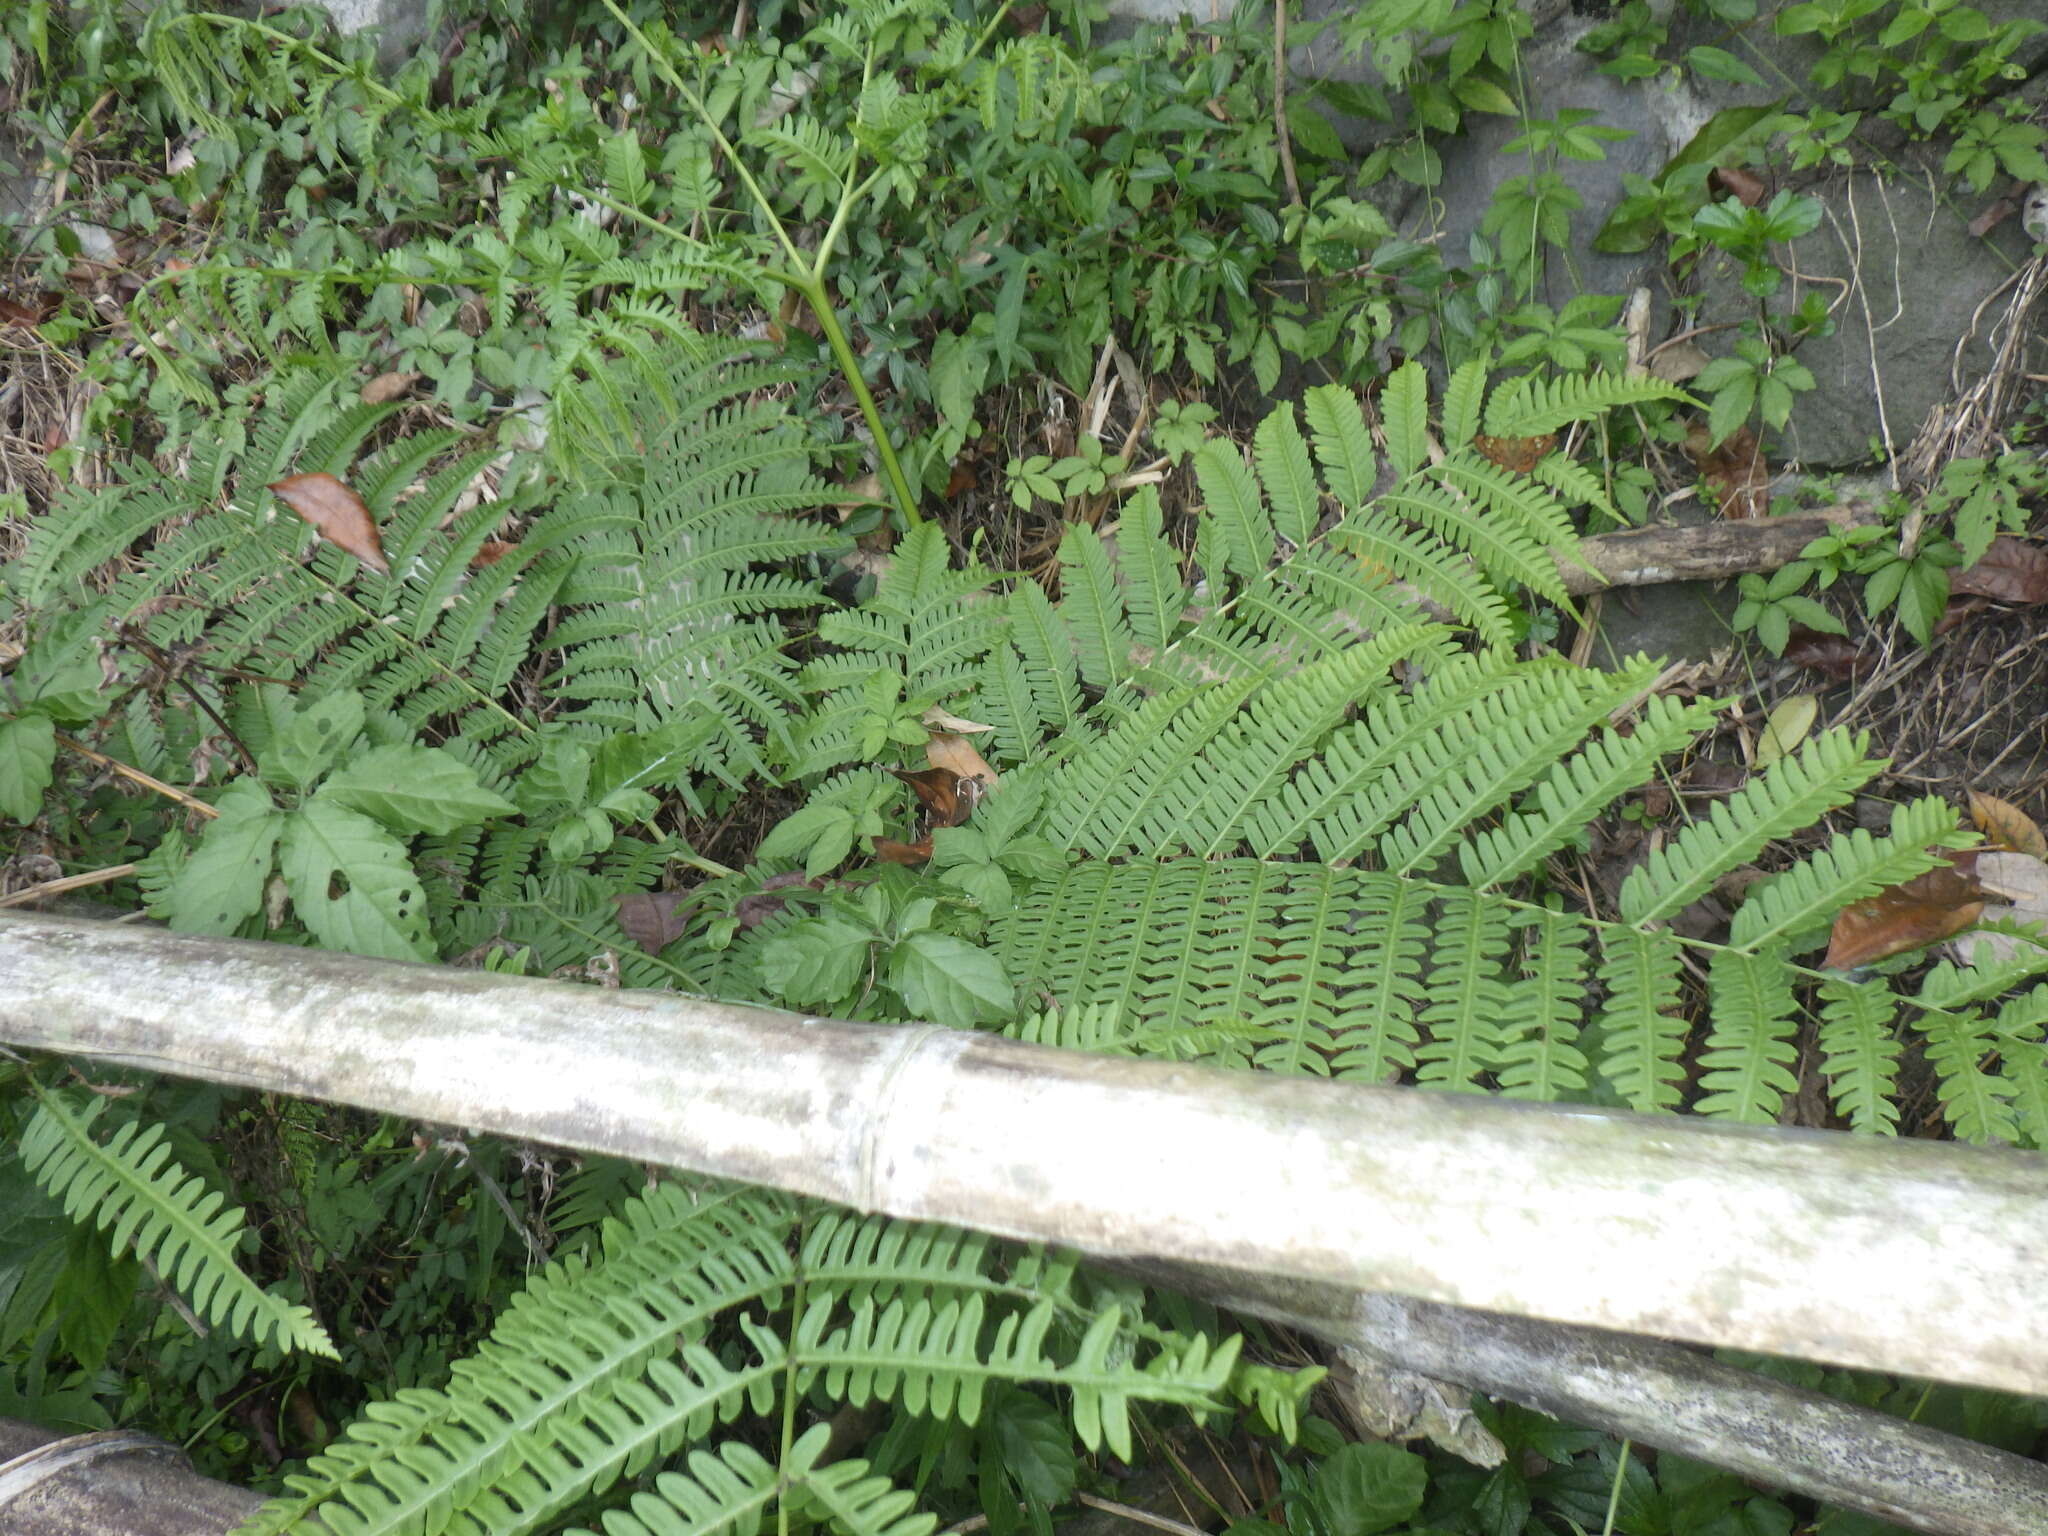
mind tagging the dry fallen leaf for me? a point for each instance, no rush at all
(1835, 656)
(941, 720)
(1789, 724)
(1735, 468)
(2006, 826)
(337, 513)
(1677, 361)
(388, 386)
(889, 851)
(1744, 186)
(956, 755)
(2012, 571)
(2022, 880)
(1924, 910)
(655, 919)
(947, 798)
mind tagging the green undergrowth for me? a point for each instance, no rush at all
(1275, 767)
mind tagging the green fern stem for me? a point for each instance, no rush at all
(805, 275)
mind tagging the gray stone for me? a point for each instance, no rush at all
(401, 24)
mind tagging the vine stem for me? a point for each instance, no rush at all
(805, 276)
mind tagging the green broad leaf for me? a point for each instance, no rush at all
(28, 758)
(1720, 64)
(316, 737)
(950, 981)
(352, 884)
(1370, 1487)
(986, 883)
(221, 885)
(1731, 407)
(1033, 1443)
(817, 961)
(411, 788)
(1312, 131)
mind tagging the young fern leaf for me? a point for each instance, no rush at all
(1577, 789)
(1289, 477)
(848, 1498)
(1790, 795)
(1860, 1053)
(728, 1489)
(1796, 907)
(1531, 406)
(1236, 514)
(1468, 993)
(1538, 1054)
(1092, 605)
(1463, 396)
(1404, 413)
(1337, 426)
(130, 1187)
(1976, 1102)
(1641, 1037)
(1748, 1060)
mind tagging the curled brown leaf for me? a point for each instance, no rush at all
(337, 513)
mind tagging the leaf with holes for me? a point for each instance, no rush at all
(352, 885)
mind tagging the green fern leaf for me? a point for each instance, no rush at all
(1860, 1053)
(1236, 515)
(1976, 1101)
(726, 1492)
(1748, 1059)
(1289, 477)
(1404, 410)
(1534, 405)
(1092, 605)
(130, 1187)
(1343, 444)
(1798, 905)
(1789, 796)
(1538, 1055)
(1462, 398)
(1468, 993)
(1641, 1038)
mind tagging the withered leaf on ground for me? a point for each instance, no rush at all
(655, 919)
(1520, 454)
(956, 754)
(2012, 571)
(1835, 656)
(1924, 910)
(2021, 880)
(2006, 826)
(889, 851)
(1746, 187)
(388, 386)
(337, 513)
(1735, 468)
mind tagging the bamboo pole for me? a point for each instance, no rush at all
(1910, 1257)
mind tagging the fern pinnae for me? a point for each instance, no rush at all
(1039, 632)
(1747, 1064)
(1796, 906)
(727, 1491)
(1464, 394)
(1539, 1056)
(1509, 498)
(1976, 1101)
(1343, 444)
(1501, 548)
(1376, 1033)
(145, 1201)
(1785, 798)
(1533, 405)
(1236, 513)
(1285, 470)
(1860, 1050)
(1144, 764)
(1154, 598)
(1468, 993)
(1505, 761)
(1435, 570)
(1641, 1035)
(1092, 605)
(1576, 789)
(1404, 417)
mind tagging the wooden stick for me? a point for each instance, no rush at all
(1645, 557)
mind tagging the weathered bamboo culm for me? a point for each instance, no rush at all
(1910, 1257)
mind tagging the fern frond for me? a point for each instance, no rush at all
(595, 1369)
(1641, 1038)
(1404, 416)
(1154, 597)
(728, 1489)
(1747, 1064)
(1860, 1053)
(1463, 396)
(1787, 797)
(132, 1189)
(1797, 906)
(1577, 789)
(1236, 513)
(1343, 442)
(1976, 1101)
(1538, 1055)
(1288, 476)
(1092, 604)
(1468, 993)
(1533, 405)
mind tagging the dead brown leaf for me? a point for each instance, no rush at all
(1746, 187)
(956, 755)
(2012, 571)
(1835, 656)
(889, 851)
(1520, 454)
(655, 919)
(387, 387)
(1735, 468)
(2006, 826)
(1924, 910)
(337, 513)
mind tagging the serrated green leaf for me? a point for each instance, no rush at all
(316, 737)
(819, 960)
(220, 886)
(28, 758)
(352, 884)
(948, 980)
(411, 788)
